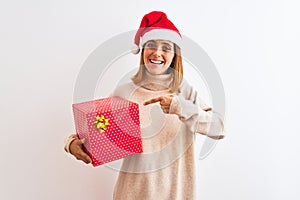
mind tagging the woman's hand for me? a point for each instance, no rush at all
(164, 101)
(77, 151)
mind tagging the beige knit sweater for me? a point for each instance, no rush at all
(166, 168)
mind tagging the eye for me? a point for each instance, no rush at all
(166, 48)
(151, 45)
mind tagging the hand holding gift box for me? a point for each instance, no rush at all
(110, 128)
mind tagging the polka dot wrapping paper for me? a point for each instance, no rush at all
(110, 127)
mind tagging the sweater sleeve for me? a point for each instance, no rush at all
(196, 115)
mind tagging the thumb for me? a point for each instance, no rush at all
(82, 141)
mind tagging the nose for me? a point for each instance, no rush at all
(157, 52)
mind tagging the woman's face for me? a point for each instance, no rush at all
(158, 56)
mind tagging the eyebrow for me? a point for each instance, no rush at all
(165, 43)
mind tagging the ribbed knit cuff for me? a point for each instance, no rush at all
(175, 107)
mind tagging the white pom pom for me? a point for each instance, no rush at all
(135, 49)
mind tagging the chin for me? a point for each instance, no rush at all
(154, 71)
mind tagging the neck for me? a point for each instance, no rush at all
(156, 82)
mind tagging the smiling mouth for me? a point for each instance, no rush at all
(156, 61)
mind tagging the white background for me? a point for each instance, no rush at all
(254, 45)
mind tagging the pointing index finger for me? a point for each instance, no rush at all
(154, 100)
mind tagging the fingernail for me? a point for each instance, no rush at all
(83, 140)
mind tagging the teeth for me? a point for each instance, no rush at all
(156, 62)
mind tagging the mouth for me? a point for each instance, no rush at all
(157, 62)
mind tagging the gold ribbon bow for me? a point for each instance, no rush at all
(101, 123)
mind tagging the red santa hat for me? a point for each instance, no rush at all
(155, 26)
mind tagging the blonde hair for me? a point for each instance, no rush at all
(176, 68)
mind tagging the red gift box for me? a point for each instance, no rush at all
(110, 127)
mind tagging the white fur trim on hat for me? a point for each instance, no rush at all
(162, 34)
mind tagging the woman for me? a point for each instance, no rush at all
(166, 168)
